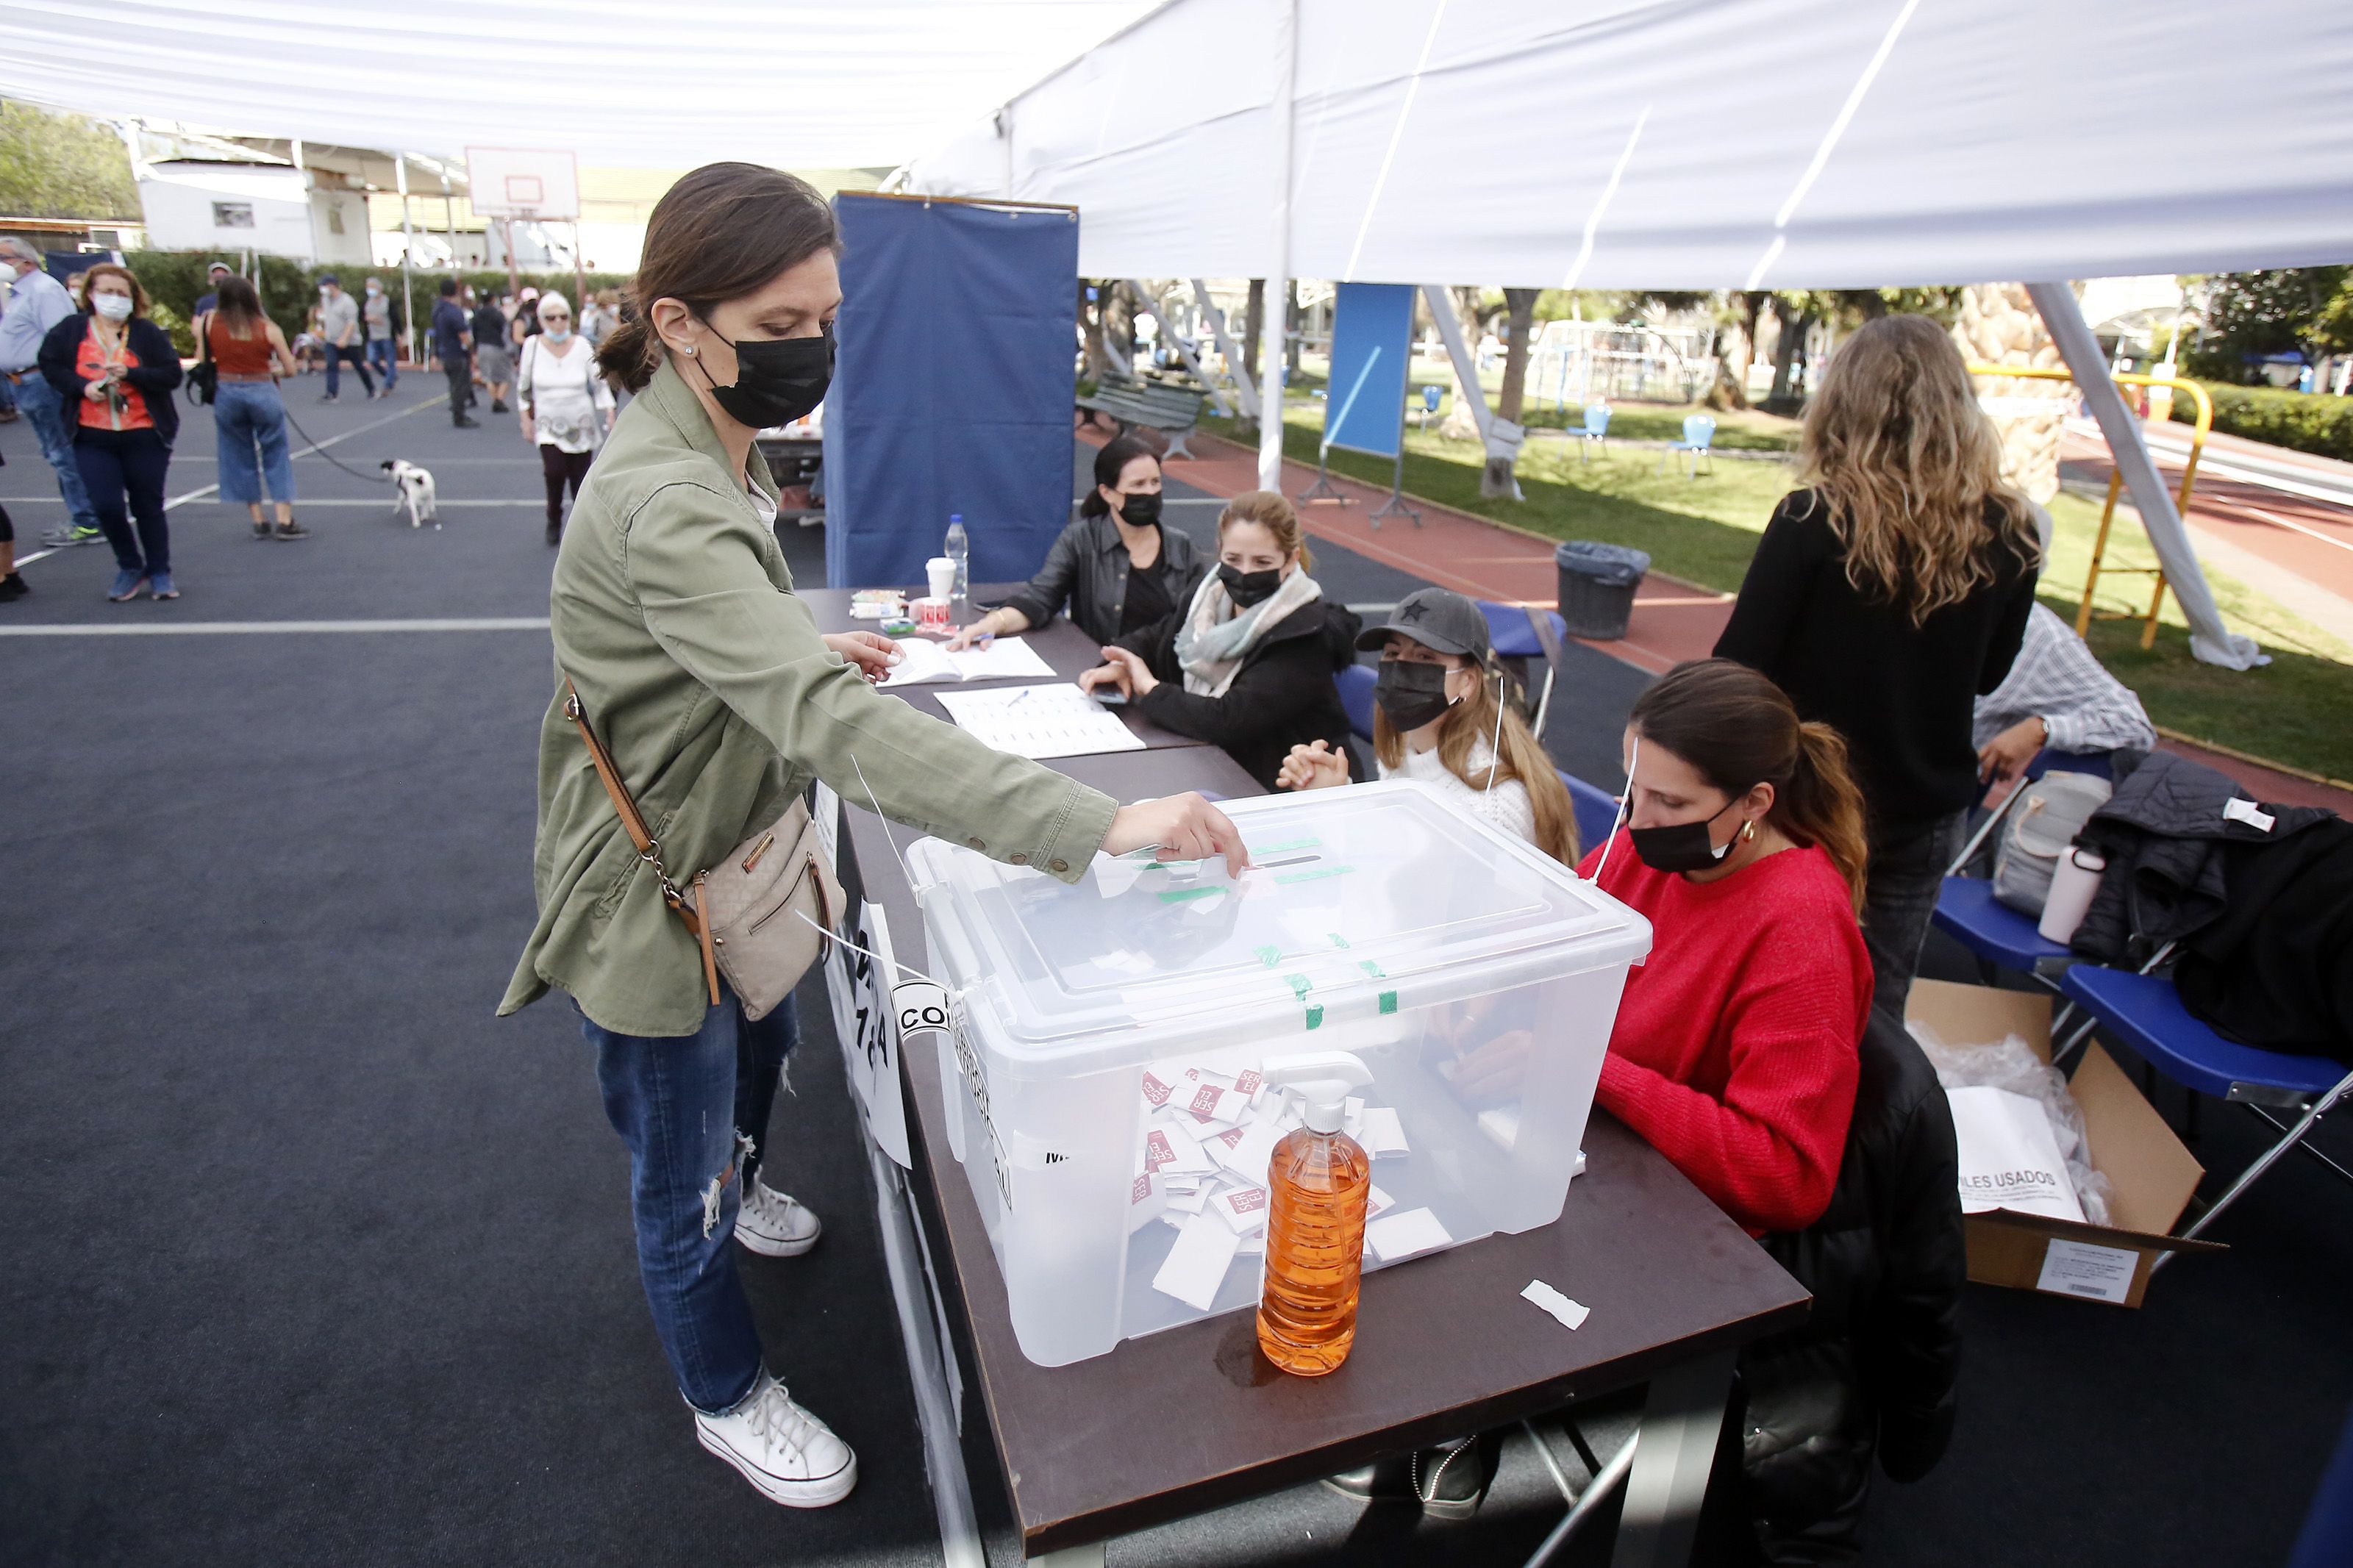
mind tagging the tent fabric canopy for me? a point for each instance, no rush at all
(795, 83)
(1693, 143)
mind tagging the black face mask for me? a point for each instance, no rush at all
(778, 380)
(1247, 588)
(1681, 846)
(1141, 511)
(1411, 694)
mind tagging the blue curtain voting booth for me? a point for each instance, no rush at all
(952, 387)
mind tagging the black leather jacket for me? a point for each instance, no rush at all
(1088, 568)
(1874, 1367)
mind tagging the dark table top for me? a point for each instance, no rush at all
(1061, 645)
(1194, 1417)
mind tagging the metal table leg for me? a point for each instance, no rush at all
(1672, 1454)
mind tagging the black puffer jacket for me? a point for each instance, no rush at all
(2163, 835)
(1873, 1369)
(1282, 697)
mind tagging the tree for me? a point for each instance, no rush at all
(63, 165)
(1254, 329)
(2307, 311)
(1495, 482)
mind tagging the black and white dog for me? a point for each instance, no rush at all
(417, 495)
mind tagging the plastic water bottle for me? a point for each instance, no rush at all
(1318, 1184)
(959, 550)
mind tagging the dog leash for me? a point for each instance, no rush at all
(378, 478)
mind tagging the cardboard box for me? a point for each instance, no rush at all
(2151, 1175)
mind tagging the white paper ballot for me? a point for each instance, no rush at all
(2081, 1269)
(1403, 1234)
(1040, 721)
(2010, 1160)
(1146, 1200)
(1196, 1266)
(1250, 1154)
(1384, 1134)
(1572, 1314)
(922, 662)
(1242, 1208)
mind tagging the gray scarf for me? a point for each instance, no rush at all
(1215, 638)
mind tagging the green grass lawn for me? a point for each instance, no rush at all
(2297, 711)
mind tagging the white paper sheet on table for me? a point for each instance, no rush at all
(1040, 721)
(922, 662)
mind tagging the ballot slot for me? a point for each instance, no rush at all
(1472, 980)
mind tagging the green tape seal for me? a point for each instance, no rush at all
(1269, 956)
(1337, 939)
(1180, 895)
(1375, 969)
(1286, 844)
(1285, 878)
(1314, 1016)
(1388, 1001)
(1300, 985)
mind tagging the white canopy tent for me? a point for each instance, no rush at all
(1700, 143)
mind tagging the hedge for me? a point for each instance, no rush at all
(2305, 421)
(173, 278)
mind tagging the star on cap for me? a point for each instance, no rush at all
(1412, 612)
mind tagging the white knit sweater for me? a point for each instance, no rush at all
(1507, 806)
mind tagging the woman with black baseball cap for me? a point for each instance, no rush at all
(1438, 716)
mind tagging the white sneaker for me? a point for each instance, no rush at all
(774, 1225)
(789, 1454)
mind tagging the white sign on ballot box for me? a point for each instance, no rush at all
(866, 1022)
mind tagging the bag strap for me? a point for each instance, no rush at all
(647, 847)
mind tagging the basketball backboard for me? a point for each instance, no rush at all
(514, 183)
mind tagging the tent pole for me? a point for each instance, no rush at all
(1170, 334)
(2210, 640)
(408, 242)
(1271, 356)
(1245, 394)
(579, 275)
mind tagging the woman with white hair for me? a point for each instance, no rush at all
(567, 407)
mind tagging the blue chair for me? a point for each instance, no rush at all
(1596, 431)
(1355, 684)
(1512, 629)
(1430, 397)
(1699, 436)
(1596, 811)
(2145, 1012)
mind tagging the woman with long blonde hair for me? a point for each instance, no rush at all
(1440, 715)
(1888, 593)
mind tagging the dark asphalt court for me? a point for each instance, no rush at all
(309, 1260)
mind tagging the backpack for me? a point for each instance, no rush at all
(2049, 814)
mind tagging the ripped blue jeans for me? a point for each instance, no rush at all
(692, 1108)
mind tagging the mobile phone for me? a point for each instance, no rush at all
(1110, 696)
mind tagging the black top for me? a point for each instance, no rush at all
(1902, 695)
(1282, 697)
(451, 325)
(154, 371)
(1147, 597)
(490, 328)
(1089, 570)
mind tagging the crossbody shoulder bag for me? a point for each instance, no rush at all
(759, 914)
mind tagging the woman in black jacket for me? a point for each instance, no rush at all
(1247, 663)
(1889, 595)
(117, 370)
(1116, 567)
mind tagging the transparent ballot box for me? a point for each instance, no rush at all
(1126, 1051)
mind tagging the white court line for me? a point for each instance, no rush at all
(2274, 517)
(25, 561)
(231, 628)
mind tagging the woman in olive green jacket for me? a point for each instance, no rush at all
(674, 615)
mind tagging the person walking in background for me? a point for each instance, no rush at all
(453, 343)
(339, 337)
(1886, 596)
(383, 348)
(37, 303)
(491, 355)
(523, 324)
(567, 409)
(118, 370)
(246, 350)
(209, 301)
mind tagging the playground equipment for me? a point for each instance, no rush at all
(2085, 614)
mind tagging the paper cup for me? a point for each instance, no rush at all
(931, 614)
(941, 570)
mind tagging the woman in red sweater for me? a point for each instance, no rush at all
(1735, 1048)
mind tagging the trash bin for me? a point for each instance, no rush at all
(1597, 586)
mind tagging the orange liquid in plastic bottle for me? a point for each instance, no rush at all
(1317, 1187)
